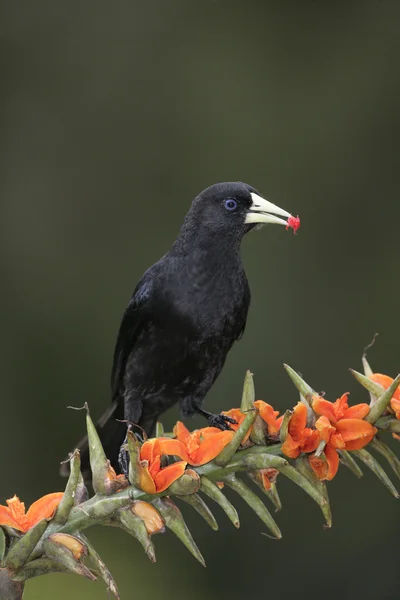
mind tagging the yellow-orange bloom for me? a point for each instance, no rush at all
(236, 413)
(154, 478)
(300, 438)
(270, 416)
(196, 447)
(14, 515)
(335, 411)
(385, 381)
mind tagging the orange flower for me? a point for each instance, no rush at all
(153, 478)
(198, 447)
(268, 477)
(270, 416)
(335, 411)
(325, 467)
(14, 515)
(346, 434)
(236, 413)
(300, 438)
(385, 381)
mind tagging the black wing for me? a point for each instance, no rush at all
(132, 322)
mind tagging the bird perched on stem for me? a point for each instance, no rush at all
(185, 314)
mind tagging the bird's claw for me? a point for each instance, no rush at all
(221, 421)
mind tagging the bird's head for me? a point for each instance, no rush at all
(231, 209)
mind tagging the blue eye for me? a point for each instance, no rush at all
(230, 204)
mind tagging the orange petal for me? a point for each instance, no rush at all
(210, 447)
(337, 441)
(298, 421)
(236, 413)
(166, 476)
(395, 404)
(269, 415)
(356, 433)
(154, 467)
(326, 466)
(319, 466)
(7, 519)
(310, 441)
(172, 447)
(358, 411)
(396, 436)
(340, 406)
(332, 458)
(290, 448)
(181, 432)
(265, 480)
(325, 428)
(324, 408)
(385, 381)
(147, 450)
(44, 508)
(146, 482)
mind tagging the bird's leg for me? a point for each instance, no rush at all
(123, 455)
(220, 421)
(123, 458)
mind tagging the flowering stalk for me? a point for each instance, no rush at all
(306, 445)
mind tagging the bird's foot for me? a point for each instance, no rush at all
(221, 421)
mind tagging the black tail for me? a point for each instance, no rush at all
(112, 434)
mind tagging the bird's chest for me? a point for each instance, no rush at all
(213, 299)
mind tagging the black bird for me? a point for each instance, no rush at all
(185, 314)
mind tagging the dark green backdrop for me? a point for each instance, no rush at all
(113, 116)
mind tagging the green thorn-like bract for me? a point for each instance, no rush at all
(272, 493)
(350, 463)
(21, 550)
(303, 387)
(211, 490)
(388, 453)
(376, 468)
(383, 401)
(254, 502)
(303, 466)
(101, 567)
(248, 395)
(283, 431)
(136, 527)
(98, 460)
(175, 522)
(68, 499)
(2, 544)
(374, 388)
(230, 449)
(196, 502)
(63, 556)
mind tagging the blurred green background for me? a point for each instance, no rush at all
(114, 115)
